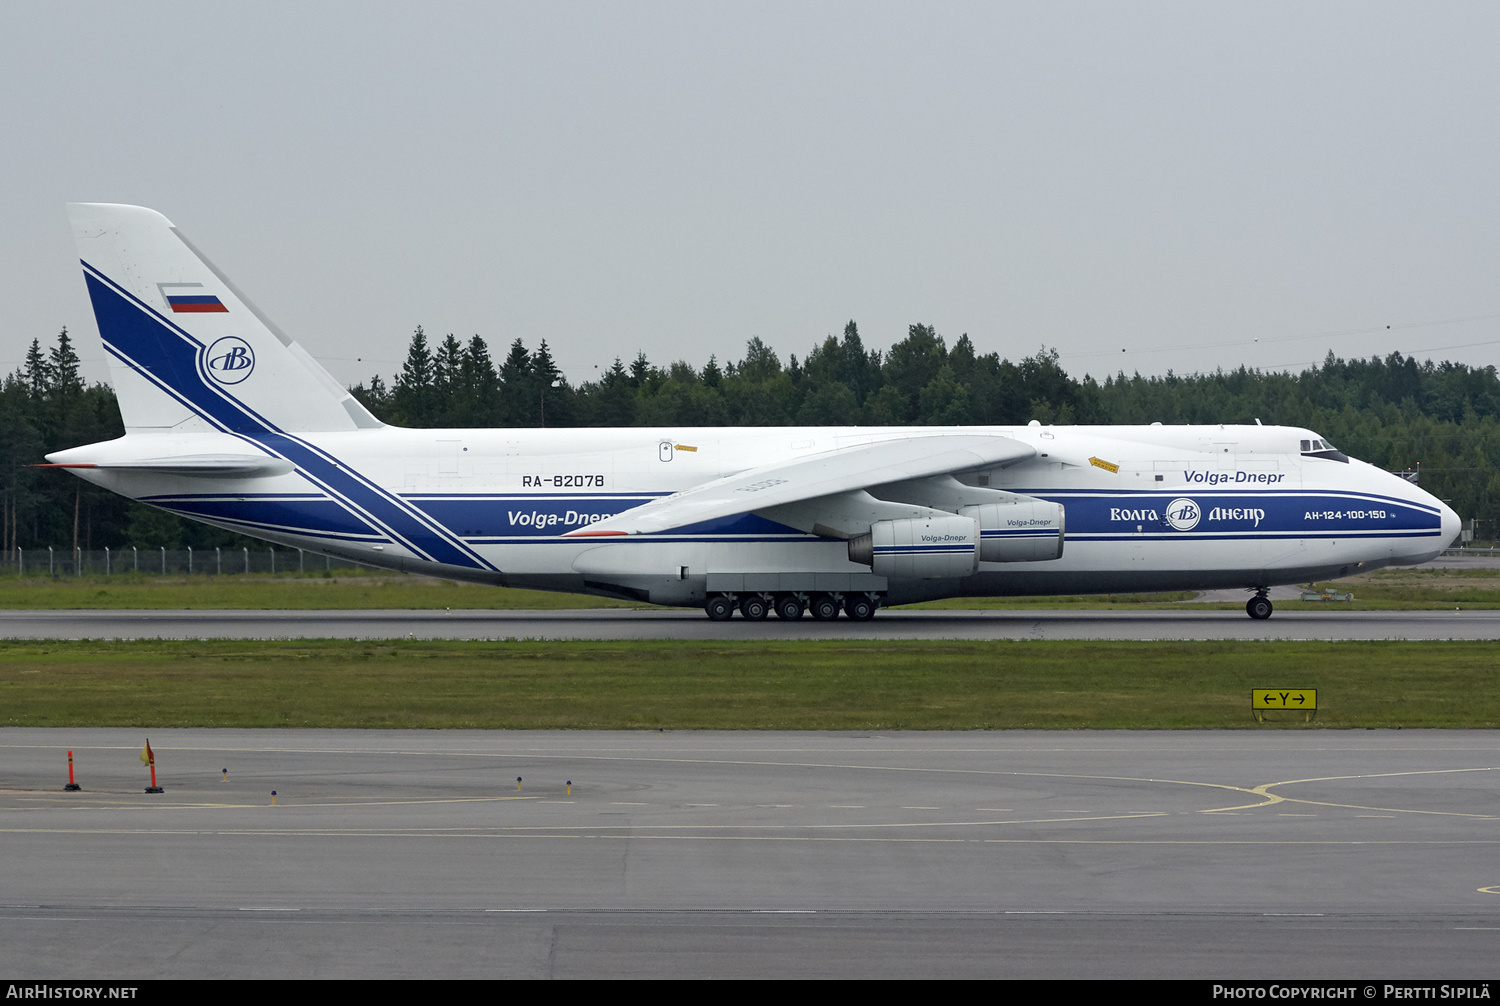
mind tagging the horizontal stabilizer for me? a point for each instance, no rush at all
(202, 465)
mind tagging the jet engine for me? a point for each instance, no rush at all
(1028, 530)
(931, 548)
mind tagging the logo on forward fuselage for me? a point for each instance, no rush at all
(230, 360)
(1183, 514)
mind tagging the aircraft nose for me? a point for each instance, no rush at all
(1451, 526)
(1415, 551)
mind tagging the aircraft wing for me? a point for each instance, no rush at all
(812, 476)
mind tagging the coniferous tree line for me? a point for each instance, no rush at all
(1442, 419)
(1396, 412)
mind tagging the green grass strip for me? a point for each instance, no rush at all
(812, 685)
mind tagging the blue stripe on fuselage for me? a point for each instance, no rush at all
(298, 514)
(1279, 514)
(548, 517)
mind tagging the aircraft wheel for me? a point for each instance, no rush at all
(755, 608)
(789, 607)
(825, 607)
(1258, 607)
(719, 608)
(860, 608)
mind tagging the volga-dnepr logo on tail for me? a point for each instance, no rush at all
(230, 360)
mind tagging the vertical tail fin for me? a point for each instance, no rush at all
(186, 349)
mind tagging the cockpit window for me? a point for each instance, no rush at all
(1320, 448)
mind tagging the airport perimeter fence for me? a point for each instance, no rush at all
(171, 562)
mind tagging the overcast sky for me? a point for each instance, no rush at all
(1200, 185)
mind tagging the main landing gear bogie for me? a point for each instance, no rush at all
(791, 606)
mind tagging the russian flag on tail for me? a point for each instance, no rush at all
(187, 298)
(200, 304)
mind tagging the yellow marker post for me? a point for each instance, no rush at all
(1296, 699)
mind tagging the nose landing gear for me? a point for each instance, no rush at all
(1259, 607)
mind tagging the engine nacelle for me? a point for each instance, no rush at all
(1025, 531)
(920, 549)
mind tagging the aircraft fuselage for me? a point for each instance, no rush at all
(1147, 507)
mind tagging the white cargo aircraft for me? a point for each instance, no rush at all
(230, 422)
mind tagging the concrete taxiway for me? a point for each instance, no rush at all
(1274, 853)
(607, 623)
